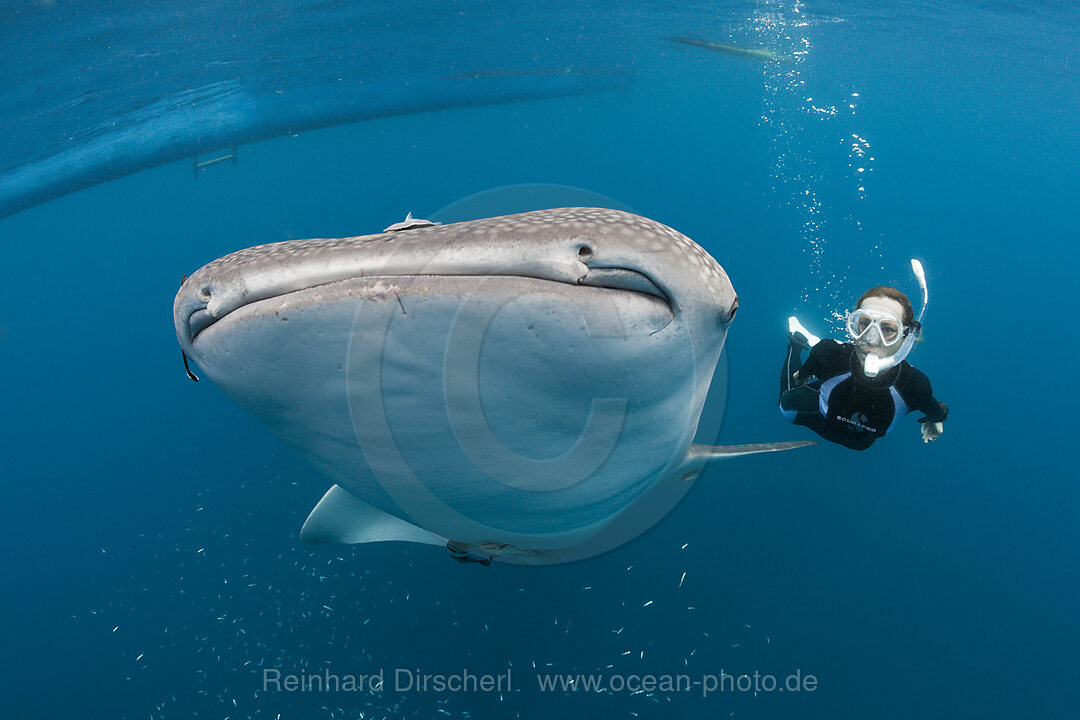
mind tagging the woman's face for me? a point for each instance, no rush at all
(879, 304)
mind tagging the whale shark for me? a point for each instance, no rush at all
(522, 389)
(728, 49)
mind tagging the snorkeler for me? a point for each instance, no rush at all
(855, 392)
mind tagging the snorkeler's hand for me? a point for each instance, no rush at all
(931, 431)
(799, 379)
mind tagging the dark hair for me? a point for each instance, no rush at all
(892, 294)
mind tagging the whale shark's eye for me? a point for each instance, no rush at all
(734, 309)
(584, 252)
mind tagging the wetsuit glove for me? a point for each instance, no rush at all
(932, 427)
(931, 431)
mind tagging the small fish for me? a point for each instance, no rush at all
(409, 223)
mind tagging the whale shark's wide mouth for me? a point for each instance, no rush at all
(201, 316)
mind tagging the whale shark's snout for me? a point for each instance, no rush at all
(272, 271)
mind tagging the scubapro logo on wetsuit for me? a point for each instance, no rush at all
(858, 421)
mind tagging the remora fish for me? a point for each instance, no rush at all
(760, 54)
(525, 388)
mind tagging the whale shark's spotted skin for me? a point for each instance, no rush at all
(633, 231)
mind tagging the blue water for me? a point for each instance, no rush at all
(153, 566)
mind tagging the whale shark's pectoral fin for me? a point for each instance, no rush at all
(714, 452)
(341, 517)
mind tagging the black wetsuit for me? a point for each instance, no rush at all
(845, 406)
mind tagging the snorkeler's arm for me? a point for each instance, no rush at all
(936, 411)
(922, 399)
(920, 396)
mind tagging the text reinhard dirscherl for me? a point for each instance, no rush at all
(408, 680)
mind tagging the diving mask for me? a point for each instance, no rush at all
(872, 364)
(874, 327)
